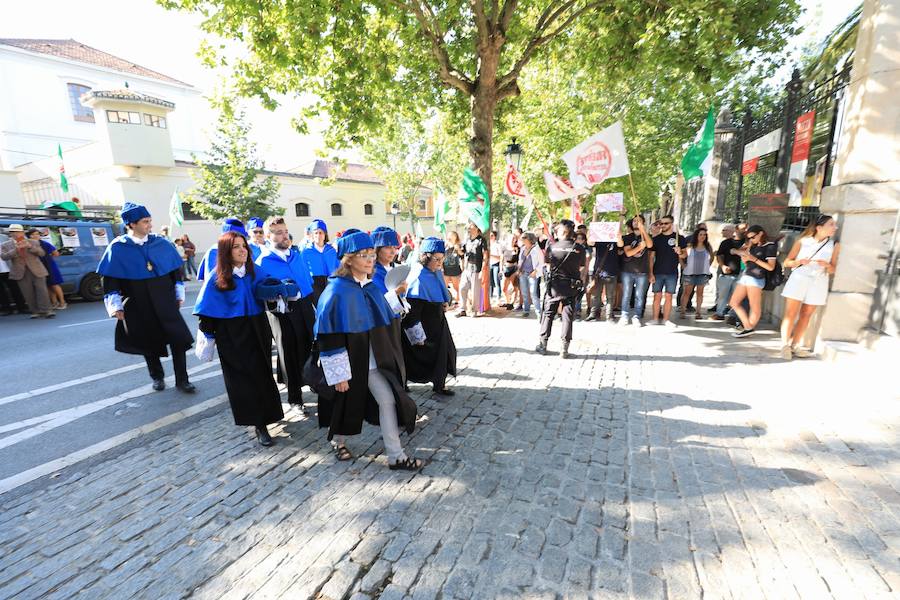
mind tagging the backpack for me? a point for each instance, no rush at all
(775, 277)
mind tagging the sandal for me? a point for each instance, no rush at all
(407, 464)
(342, 453)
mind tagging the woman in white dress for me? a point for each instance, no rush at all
(812, 259)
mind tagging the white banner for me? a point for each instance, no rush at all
(513, 184)
(598, 158)
(765, 145)
(614, 202)
(559, 188)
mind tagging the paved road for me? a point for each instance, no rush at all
(65, 389)
(653, 464)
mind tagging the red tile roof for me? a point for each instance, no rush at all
(75, 50)
(352, 172)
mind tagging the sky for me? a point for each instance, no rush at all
(145, 33)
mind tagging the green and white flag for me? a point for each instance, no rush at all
(63, 180)
(475, 199)
(700, 152)
(176, 215)
(66, 205)
(441, 208)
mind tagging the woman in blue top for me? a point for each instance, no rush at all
(54, 277)
(428, 348)
(360, 363)
(320, 256)
(232, 317)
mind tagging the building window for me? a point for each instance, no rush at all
(123, 116)
(155, 121)
(188, 212)
(367, 209)
(301, 209)
(79, 111)
(422, 204)
(336, 210)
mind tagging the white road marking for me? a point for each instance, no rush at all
(106, 320)
(20, 479)
(45, 423)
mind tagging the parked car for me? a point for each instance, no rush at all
(81, 242)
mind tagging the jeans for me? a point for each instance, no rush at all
(190, 267)
(495, 280)
(528, 286)
(638, 282)
(725, 285)
(601, 284)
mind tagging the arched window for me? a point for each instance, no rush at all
(367, 209)
(301, 209)
(336, 210)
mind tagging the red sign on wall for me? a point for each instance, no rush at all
(803, 134)
(750, 166)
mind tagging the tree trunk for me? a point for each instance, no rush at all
(484, 103)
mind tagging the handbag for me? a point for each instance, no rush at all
(828, 239)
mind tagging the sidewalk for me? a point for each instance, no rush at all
(652, 464)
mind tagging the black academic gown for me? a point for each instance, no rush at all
(244, 345)
(436, 359)
(344, 412)
(152, 316)
(293, 335)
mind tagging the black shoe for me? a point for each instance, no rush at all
(159, 385)
(262, 436)
(445, 391)
(187, 387)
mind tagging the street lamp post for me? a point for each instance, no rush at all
(394, 211)
(513, 154)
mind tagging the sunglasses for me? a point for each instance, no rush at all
(259, 231)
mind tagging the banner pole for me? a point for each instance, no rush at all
(633, 195)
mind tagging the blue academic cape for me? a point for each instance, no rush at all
(321, 263)
(123, 259)
(294, 267)
(378, 277)
(347, 307)
(428, 285)
(227, 304)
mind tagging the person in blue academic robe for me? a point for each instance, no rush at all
(209, 259)
(256, 229)
(435, 359)
(144, 291)
(320, 256)
(359, 363)
(387, 244)
(232, 318)
(292, 319)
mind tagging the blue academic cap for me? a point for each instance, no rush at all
(317, 224)
(132, 213)
(385, 236)
(255, 223)
(352, 241)
(432, 245)
(234, 224)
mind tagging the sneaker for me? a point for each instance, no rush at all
(592, 317)
(526, 315)
(743, 333)
(636, 321)
(623, 321)
(541, 348)
(519, 308)
(671, 324)
(786, 353)
(802, 352)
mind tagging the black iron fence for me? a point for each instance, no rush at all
(771, 171)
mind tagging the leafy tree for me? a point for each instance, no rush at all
(365, 61)
(228, 179)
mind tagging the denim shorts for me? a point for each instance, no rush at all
(695, 280)
(750, 281)
(670, 282)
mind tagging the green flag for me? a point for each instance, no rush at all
(699, 151)
(67, 205)
(441, 208)
(176, 215)
(475, 200)
(63, 180)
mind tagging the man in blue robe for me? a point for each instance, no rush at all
(144, 291)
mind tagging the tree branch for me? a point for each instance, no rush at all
(509, 8)
(431, 29)
(481, 22)
(506, 84)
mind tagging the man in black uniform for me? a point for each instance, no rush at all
(564, 260)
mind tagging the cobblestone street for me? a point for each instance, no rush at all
(654, 463)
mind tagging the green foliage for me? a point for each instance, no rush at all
(837, 46)
(228, 180)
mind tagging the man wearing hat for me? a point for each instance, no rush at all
(143, 290)
(23, 256)
(257, 233)
(209, 259)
